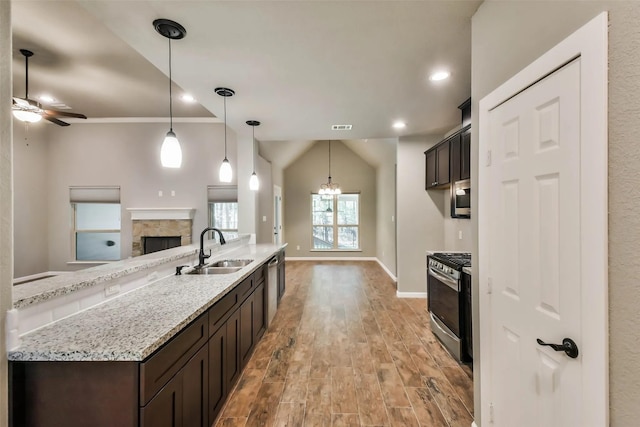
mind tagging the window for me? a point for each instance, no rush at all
(335, 222)
(96, 223)
(223, 208)
(224, 216)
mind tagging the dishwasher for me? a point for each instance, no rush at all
(272, 289)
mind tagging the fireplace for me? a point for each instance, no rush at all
(152, 244)
(168, 227)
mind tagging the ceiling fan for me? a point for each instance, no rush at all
(31, 111)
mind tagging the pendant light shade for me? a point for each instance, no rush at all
(226, 173)
(170, 151)
(254, 183)
(329, 188)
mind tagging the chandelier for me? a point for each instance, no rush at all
(329, 188)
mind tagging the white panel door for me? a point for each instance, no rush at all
(534, 195)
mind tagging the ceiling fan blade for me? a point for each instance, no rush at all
(55, 113)
(56, 121)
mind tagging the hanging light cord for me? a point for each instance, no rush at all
(225, 126)
(170, 95)
(253, 146)
(329, 161)
(26, 72)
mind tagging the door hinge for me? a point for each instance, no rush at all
(489, 286)
(487, 160)
(491, 413)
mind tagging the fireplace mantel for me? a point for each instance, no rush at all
(151, 214)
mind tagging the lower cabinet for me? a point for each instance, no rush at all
(182, 402)
(183, 384)
(281, 275)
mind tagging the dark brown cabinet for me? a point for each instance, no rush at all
(217, 383)
(185, 383)
(437, 165)
(281, 275)
(460, 156)
(450, 160)
(465, 154)
(182, 402)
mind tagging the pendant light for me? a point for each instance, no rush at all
(226, 173)
(330, 188)
(254, 183)
(170, 152)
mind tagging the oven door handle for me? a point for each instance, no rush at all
(453, 284)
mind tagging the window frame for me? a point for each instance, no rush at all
(335, 225)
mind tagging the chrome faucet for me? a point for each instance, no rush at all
(201, 255)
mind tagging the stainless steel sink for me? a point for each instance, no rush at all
(215, 270)
(232, 263)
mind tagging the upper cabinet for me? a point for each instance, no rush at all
(438, 165)
(450, 160)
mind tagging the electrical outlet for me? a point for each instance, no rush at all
(173, 193)
(298, 247)
(460, 234)
(264, 218)
(111, 290)
(159, 193)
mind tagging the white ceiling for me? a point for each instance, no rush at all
(297, 66)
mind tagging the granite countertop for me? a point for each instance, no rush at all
(132, 326)
(52, 287)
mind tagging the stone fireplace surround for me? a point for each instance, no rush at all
(160, 222)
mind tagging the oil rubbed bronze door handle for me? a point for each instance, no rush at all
(568, 345)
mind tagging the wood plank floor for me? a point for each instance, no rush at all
(344, 351)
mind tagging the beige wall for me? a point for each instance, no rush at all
(31, 228)
(420, 214)
(265, 202)
(507, 36)
(453, 227)
(304, 177)
(6, 199)
(386, 206)
(124, 154)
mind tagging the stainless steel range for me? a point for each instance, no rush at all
(449, 321)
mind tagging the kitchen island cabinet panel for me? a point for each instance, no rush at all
(217, 357)
(155, 372)
(247, 335)
(165, 409)
(195, 390)
(58, 393)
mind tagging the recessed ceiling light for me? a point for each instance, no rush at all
(439, 75)
(46, 98)
(187, 98)
(399, 125)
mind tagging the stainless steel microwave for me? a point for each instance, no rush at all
(461, 199)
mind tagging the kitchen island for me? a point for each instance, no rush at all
(167, 353)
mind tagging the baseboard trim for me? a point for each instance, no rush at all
(384, 267)
(411, 294)
(330, 258)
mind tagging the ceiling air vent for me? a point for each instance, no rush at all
(341, 127)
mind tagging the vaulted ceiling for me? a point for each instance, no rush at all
(297, 66)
